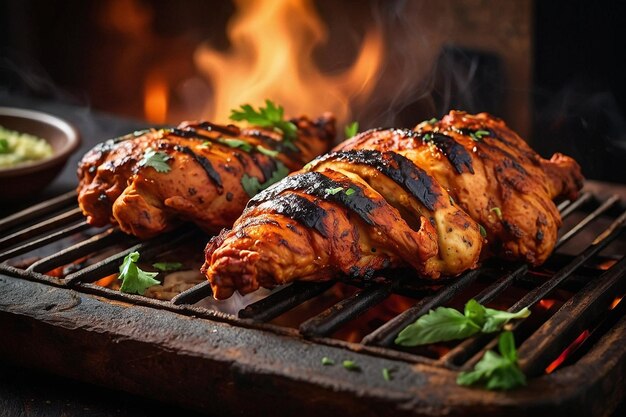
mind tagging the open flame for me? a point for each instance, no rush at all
(271, 57)
(156, 95)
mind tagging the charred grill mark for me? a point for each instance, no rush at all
(299, 209)
(398, 168)
(267, 168)
(225, 130)
(108, 145)
(258, 221)
(272, 143)
(205, 164)
(456, 153)
(191, 133)
(316, 185)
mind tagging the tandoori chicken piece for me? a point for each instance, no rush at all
(436, 198)
(150, 181)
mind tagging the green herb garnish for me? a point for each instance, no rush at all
(351, 129)
(206, 144)
(478, 135)
(497, 371)
(252, 185)
(156, 160)
(168, 266)
(236, 143)
(134, 279)
(451, 199)
(350, 191)
(497, 211)
(268, 116)
(333, 191)
(327, 361)
(433, 121)
(268, 152)
(387, 374)
(427, 137)
(350, 365)
(483, 232)
(4, 146)
(444, 323)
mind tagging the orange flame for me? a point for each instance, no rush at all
(271, 57)
(156, 95)
(615, 302)
(568, 351)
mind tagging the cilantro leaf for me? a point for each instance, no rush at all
(387, 374)
(333, 191)
(351, 129)
(497, 211)
(134, 279)
(438, 325)
(483, 232)
(156, 160)
(350, 191)
(477, 136)
(236, 143)
(268, 116)
(497, 371)
(433, 121)
(252, 185)
(446, 323)
(268, 152)
(496, 319)
(168, 266)
(326, 361)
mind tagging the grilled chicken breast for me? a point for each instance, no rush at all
(150, 181)
(435, 198)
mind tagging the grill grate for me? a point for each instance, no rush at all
(592, 276)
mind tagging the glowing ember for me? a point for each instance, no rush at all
(567, 352)
(156, 95)
(546, 304)
(615, 302)
(271, 57)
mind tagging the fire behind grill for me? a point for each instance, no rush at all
(267, 355)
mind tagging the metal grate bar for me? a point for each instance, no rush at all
(194, 294)
(570, 208)
(386, 334)
(345, 310)
(38, 210)
(11, 253)
(493, 290)
(577, 314)
(284, 300)
(588, 219)
(79, 250)
(41, 227)
(472, 346)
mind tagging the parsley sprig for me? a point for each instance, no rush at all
(269, 116)
(497, 371)
(443, 324)
(155, 159)
(351, 129)
(252, 185)
(134, 279)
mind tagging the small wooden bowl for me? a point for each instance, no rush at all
(26, 179)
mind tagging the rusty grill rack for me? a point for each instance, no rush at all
(595, 280)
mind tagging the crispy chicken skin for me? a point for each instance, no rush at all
(437, 198)
(208, 165)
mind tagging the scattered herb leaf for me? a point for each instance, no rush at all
(387, 374)
(351, 365)
(4, 146)
(252, 185)
(350, 191)
(483, 232)
(444, 323)
(477, 136)
(268, 152)
(269, 116)
(497, 211)
(156, 160)
(427, 137)
(497, 371)
(168, 266)
(134, 279)
(327, 361)
(433, 121)
(351, 129)
(206, 144)
(333, 191)
(236, 143)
